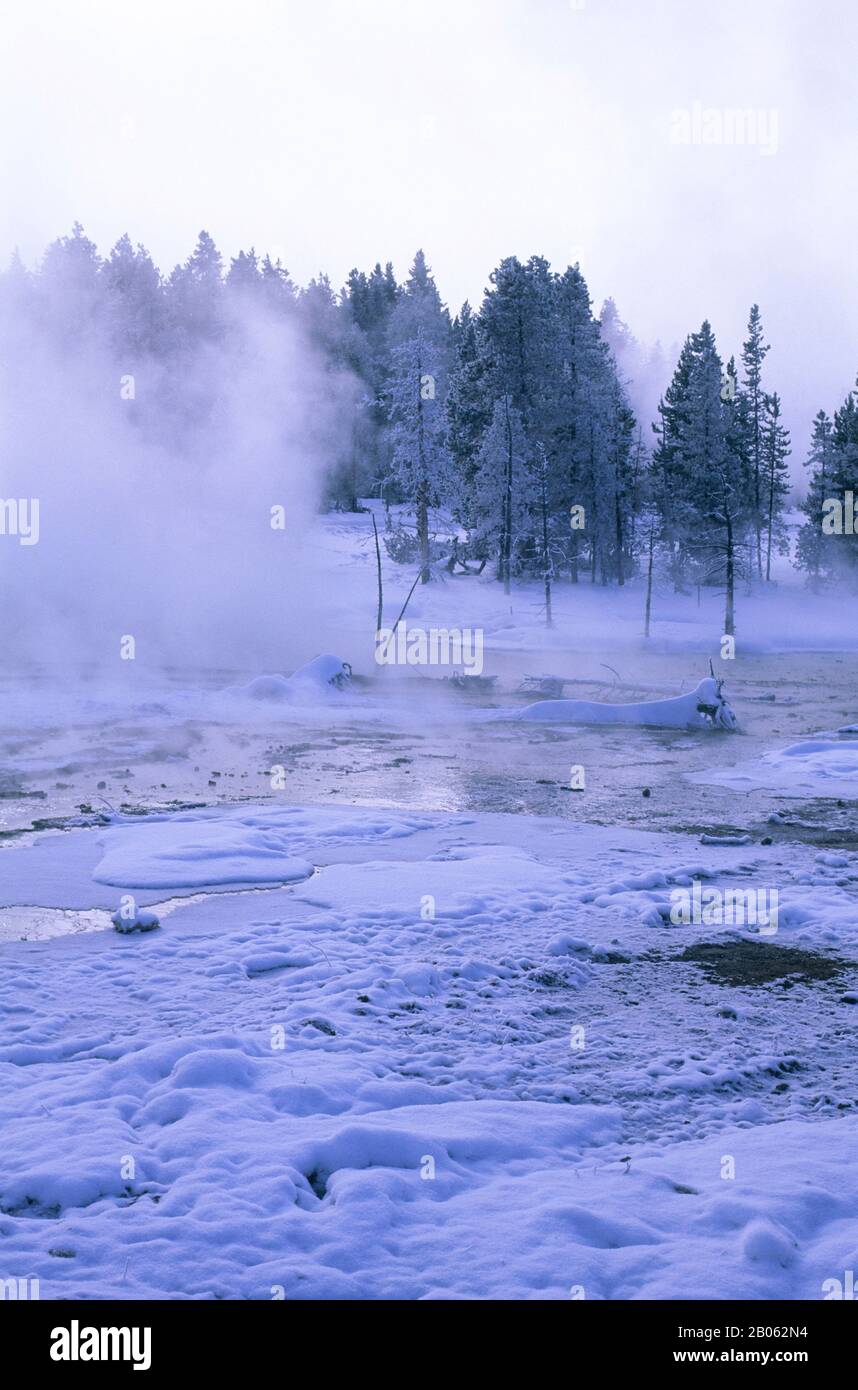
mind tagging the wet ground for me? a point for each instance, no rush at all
(67, 756)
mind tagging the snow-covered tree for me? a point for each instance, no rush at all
(701, 478)
(419, 455)
(671, 488)
(135, 299)
(813, 554)
(70, 288)
(468, 405)
(754, 351)
(843, 545)
(775, 452)
(195, 296)
(503, 489)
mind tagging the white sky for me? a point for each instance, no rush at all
(340, 132)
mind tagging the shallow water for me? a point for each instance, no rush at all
(68, 754)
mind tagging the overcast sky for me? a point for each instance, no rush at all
(340, 132)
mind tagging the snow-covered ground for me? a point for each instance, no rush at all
(459, 1060)
(821, 767)
(417, 1021)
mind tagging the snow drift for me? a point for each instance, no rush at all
(702, 708)
(322, 673)
(814, 767)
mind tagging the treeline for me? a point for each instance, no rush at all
(514, 421)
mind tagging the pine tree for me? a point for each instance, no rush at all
(420, 309)
(195, 296)
(670, 481)
(621, 424)
(369, 300)
(70, 288)
(700, 473)
(844, 546)
(582, 372)
(546, 526)
(515, 328)
(244, 277)
(753, 354)
(468, 406)
(717, 476)
(419, 456)
(775, 452)
(135, 299)
(419, 341)
(812, 553)
(503, 489)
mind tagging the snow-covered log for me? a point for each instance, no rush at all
(324, 670)
(704, 707)
(322, 673)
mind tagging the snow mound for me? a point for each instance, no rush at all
(323, 673)
(814, 767)
(324, 670)
(704, 707)
(137, 919)
(183, 852)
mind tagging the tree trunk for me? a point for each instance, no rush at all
(649, 581)
(621, 576)
(546, 554)
(758, 528)
(422, 489)
(729, 616)
(770, 525)
(506, 538)
(380, 605)
(353, 505)
(423, 532)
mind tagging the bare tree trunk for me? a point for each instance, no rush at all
(423, 532)
(730, 616)
(422, 490)
(770, 525)
(506, 537)
(546, 554)
(757, 495)
(621, 575)
(404, 606)
(378, 568)
(649, 582)
(353, 501)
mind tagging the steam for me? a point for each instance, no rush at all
(174, 499)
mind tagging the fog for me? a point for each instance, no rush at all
(174, 498)
(335, 134)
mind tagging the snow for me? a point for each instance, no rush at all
(368, 1084)
(390, 1050)
(704, 707)
(316, 677)
(813, 767)
(130, 918)
(191, 851)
